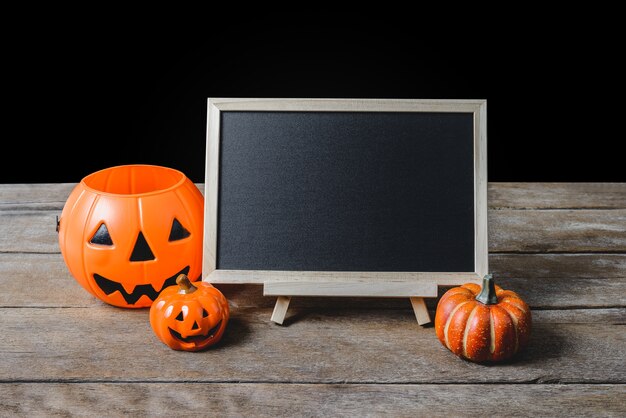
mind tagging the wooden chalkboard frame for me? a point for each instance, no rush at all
(285, 284)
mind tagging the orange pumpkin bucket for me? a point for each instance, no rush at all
(127, 232)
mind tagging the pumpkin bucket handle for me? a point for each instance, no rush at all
(487, 295)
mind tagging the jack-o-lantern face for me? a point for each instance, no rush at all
(127, 232)
(189, 317)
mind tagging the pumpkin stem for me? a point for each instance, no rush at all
(487, 295)
(185, 286)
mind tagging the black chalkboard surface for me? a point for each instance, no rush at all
(346, 191)
(346, 197)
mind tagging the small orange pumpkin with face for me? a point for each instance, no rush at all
(189, 317)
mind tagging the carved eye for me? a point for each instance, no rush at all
(204, 313)
(141, 251)
(180, 316)
(101, 237)
(178, 231)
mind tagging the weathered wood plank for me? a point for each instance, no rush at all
(101, 343)
(558, 265)
(566, 292)
(34, 196)
(383, 346)
(29, 231)
(584, 281)
(614, 316)
(509, 230)
(557, 230)
(557, 195)
(39, 280)
(272, 400)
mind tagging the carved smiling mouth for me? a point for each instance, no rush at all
(196, 338)
(109, 286)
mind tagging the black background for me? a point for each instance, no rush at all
(86, 93)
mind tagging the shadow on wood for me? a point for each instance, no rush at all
(546, 343)
(296, 315)
(545, 346)
(236, 333)
(299, 313)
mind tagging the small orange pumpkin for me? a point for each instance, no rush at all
(488, 324)
(189, 317)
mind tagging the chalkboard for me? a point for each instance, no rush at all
(360, 191)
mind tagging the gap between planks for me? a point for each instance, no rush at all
(347, 308)
(602, 252)
(548, 252)
(531, 382)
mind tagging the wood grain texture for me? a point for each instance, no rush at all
(29, 231)
(280, 309)
(367, 283)
(323, 400)
(345, 105)
(420, 310)
(364, 356)
(546, 266)
(510, 230)
(212, 170)
(545, 281)
(35, 196)
(351, 288)
(557, 230)
(557, 195)
(110, 344)
(481, 251)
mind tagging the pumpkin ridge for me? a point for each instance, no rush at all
(449, 319)
(515, 326)
(510, 302)
(445, 299)
(454, 292)
(459, 297)
(473, 288)
(492, 333)
(510, 294)
(468, 324)
(82, 248)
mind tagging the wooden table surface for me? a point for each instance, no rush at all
(561, 246)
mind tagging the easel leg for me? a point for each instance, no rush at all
(280, 309)
(419, 308)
